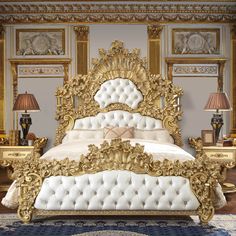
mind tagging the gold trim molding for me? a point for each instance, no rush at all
(194, 60)
(116, 155)
(43, 12)
(102, 1)
(82, 33)
(154, 48)
(233, 80)
(2, 82)
(75, 100)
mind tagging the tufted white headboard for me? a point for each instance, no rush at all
(118, 91)
(118, 118)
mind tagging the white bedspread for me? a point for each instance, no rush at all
(74, 149)
(159, 150)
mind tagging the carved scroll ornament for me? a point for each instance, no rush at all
(116, 155)
(118, 62)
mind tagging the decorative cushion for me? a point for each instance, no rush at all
(76, 134)
(160, 135)
(118, 132)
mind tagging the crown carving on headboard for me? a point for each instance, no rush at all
(75, 99)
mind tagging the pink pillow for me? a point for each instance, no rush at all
(118, 132)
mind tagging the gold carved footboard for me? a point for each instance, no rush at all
(116, 155)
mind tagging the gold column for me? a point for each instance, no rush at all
(154, 48)
(82, 33)
(233, 79)
(2, 82)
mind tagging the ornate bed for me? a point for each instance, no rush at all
(117, 177)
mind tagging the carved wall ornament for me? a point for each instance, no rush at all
(196, 41)
(154, 31)
(195, 70)
(41, 42)
(40, 71)
(118, 62)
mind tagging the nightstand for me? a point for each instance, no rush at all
(226, 155)
(9, 153)
(13, 152)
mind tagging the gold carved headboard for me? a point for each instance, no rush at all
(75, 100)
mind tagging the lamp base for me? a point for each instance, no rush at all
(217, 123)
(25, 122)
(24, 142)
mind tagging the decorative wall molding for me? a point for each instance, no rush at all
(233, 80)
(171, 61)
(40, 42)
(120, 1)
(82, 33)
(2, 80)
(15, 63)
(154, 48)
(195, 70)
(29, 71)
(196, 41)
(66, 12)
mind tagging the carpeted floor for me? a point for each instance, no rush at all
(118, 226)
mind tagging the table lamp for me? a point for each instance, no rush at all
(217, 102)
(24, 103)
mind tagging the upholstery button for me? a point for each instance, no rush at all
(116, 182)
(144, 182)
(129, 202)
(136, 192)
(115, 202)
(163, 193)
(170, 203)
(108, 192)
(185, 203)
(157, 202)
(102, 202)
(157, 182)
(170, 182)
(143, 203)
(87, 202)
(122, 193)
(177, 192)
(67, 192)
(150, 193)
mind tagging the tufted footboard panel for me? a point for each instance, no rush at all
(116, 190)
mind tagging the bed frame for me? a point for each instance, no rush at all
(75, 100)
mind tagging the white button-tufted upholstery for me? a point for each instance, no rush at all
(118, 118)
(116, 190)
(118, 90)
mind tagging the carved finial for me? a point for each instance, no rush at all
(82, 32)
(154, 31)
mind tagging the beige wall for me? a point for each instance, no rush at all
(196, 90)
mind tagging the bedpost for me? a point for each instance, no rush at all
(30, 185)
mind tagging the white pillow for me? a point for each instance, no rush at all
(160, 135)
(79, 134)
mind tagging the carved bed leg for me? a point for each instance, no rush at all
(29, 188)
(206, 214)
(203, 191)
